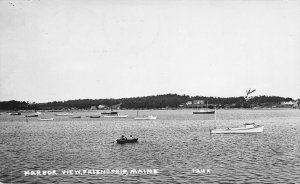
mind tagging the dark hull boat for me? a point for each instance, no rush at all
(94, 116)
(204, 112)
(123, 141)
(32, 115)
(110, 113)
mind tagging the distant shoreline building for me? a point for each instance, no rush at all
(195, 104)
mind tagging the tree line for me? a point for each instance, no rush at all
(147, 102)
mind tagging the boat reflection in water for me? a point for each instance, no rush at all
(248, 128)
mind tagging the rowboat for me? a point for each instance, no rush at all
(246, 129)
(45, 119)
(149, 117)
(123, 141)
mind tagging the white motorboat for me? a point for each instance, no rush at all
(149, 117)
(45, 119)
(247, 128)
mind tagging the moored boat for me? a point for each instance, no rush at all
(31, 115)
(45, 119)
(204, 112)
(123, 141)
(94, 116)
(110, 113)
(248, 128)
(15, 113)
(75, 117)
(149, 117)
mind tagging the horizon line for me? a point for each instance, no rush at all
(190, 96)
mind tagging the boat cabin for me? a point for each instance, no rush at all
(249, 125)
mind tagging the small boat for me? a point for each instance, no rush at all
(248, 128)
(94, 116)
(75, 117)
(204, 112)
(110, 113)
(149, 117)
(31, 115)
(65, 114)
(116, 116)
(123, 141)
(45, 119)
(15, 113)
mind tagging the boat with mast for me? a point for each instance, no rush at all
(248, 128)
(205, 111)
(149, 117)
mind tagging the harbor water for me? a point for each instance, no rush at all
(175, 148)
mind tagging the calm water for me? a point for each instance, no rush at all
(174, 144)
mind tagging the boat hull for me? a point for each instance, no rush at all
(94, 116)
(15, 114)
(75, 116)
(116, 116)
(109, 113)
(46, 119)
(204, 112)
(145, 118)
(124, 141)
(32, 115)
(256, 129)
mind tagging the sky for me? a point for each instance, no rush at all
(76, 49)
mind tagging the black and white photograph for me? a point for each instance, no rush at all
(140, 91)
